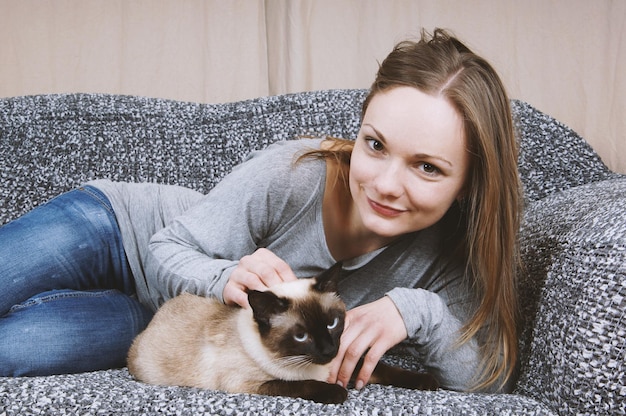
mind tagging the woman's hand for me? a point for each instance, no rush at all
(376, 326)
(257, 271)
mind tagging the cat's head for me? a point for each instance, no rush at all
(302, 319)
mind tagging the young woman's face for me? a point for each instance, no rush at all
(409, 162)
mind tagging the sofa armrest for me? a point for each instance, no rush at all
(573, 290)
(553, 157)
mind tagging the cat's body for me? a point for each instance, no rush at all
(283, 345)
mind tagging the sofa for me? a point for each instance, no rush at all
(573, 245)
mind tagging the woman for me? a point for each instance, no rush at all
(422, 208)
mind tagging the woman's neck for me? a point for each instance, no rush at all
(346, 236)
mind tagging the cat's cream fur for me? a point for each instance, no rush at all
(200, 342)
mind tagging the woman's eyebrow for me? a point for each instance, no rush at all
(381, 137)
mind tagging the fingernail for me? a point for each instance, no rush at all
(339, 383)
(359, 385)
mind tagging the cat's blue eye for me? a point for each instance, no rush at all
(334, 324)
(301, 337)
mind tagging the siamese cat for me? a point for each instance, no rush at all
(281, 346)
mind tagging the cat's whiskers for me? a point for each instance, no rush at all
(295, 361)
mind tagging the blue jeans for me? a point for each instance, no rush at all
(67, 295)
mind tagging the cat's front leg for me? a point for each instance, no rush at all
(317, 391)
(399, 377)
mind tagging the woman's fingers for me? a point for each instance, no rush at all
(370, 330)
(370, 361)
(268, 267)
(257, 271)
(236, 289)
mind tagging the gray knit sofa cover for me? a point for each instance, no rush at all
(573, 243)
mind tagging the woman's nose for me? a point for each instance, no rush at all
(388, 180)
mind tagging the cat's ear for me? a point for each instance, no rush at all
(327, 281)
(265, 305)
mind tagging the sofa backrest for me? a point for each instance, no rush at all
(52, 143)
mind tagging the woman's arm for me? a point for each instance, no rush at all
(198, 252)
(414, 314)
(424, 291)
(217, 248)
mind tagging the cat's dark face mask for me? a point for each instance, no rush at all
(305, 327)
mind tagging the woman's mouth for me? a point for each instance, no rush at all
(384, 210)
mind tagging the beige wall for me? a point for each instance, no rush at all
(566, 57)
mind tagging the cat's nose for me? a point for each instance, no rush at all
(329, 351)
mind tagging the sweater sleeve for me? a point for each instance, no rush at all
(433, 331)
(199, 250)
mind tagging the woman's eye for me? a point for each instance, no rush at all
(302, 337)
(429, 169)
(334, 324)
(374, 144)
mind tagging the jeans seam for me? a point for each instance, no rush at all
(62, 295)
(96, 194)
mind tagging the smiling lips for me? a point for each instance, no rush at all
(384, 210)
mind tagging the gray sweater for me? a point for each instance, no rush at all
(180, 241)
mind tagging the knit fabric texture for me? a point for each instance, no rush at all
(573, 245)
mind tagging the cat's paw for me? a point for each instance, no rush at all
(423, 381)
(315, 390)
(330, 394)
(416, 381)
(399, 377)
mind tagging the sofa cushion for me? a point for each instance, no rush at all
(574, 343)
(114, 392)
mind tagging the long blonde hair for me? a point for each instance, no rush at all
(490, 211)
